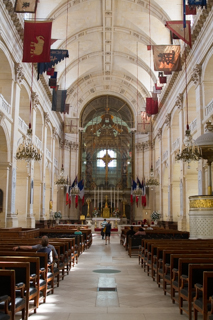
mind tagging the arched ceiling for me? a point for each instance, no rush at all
(107, 42)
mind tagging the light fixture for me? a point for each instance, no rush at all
(152, 182)
(61, 182)
(26, 149)
(190, 152)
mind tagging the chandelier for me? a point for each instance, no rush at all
(137, 192)
(61, 180)
(190, 152)
(26, 149)
(75, 190)
(152, 181)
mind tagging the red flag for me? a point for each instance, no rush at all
(137, 198)
(76, 202)
(191, 10)
(67, 198)
(143, 200)
(151, 106)
(131, 199)
(182, 33)
(37, 41)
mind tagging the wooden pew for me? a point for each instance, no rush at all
(4, 314)
(195, 275)
(22, 285)
(8, 287)
(202, 301)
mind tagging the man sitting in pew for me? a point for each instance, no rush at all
(39, 246)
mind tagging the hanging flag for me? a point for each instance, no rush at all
(143, 200)
(50, 71)
(197, 3)
(58, 100)
(81, 188)
(151, 106)
(71, 125)
(177, 28)
(69, 192)
(139, 183)
(67, 108)
(76, 201)
(191, 11)
(53, 80)
(37, 38)
(74, 182)
(167, 58)
(133, 187)
(23, 6)
(67, 196)
(56, 56)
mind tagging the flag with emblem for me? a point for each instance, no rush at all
(177, 28)
(166, 58)
(25, 6)
(37, 41)
(71, 125)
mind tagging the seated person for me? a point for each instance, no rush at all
(38, 246)
(140, 232)
(78, 231)
(44, 248)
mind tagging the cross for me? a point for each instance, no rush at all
(106, 159)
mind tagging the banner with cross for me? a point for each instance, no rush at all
(71, 125)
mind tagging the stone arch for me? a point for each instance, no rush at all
(3, 175)
(207, 78)
(5, 143)
(24, 106)
(39, 123)
(6, 74)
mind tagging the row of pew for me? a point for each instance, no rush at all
(183, 268)
(26, 277)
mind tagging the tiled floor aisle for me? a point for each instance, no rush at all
(137, 297)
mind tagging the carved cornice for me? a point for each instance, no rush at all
(196, 74)
(74, 146)
(46, 118)
(159, 133)
(35, 100)
(140, 146)
(179, 101)
(168, 119)
(19, 73)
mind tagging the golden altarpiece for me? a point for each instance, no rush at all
(106, 155)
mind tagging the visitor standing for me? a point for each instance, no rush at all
(108, 232)
(103, 225)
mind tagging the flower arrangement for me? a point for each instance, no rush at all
(95, 212)
(115, 213)
(57, 215)
(155, 215)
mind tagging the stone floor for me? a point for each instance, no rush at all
(78, 297)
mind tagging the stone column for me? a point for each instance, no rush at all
(182, 217)
(159, 135)
(5, 174)
(43, 188)
(196, 78)
(12, 220)
(170, 191)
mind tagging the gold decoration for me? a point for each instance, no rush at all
(201, 203)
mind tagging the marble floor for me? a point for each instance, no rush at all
(137, 296)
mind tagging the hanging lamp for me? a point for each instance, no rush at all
(190, 151)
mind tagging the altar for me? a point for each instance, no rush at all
(114, 222)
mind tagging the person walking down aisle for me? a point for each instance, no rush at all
(103, 232)
(108, 232)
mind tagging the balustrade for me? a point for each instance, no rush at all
(165, 155)
(193, 125)
(4, 105)
(22, 125)
(48, 154)
(209, 109)
(176, 144)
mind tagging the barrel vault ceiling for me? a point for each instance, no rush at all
(107, 42)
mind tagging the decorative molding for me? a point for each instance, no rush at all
(46, 118)
(168, 119)
(19, 73)
(196, 74)
(159, 133)
(54, 133)
(35, 100)
(179, 101)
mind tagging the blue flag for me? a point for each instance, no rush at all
(55, 57)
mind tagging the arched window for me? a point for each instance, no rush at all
(112, 154)
(1, 200)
